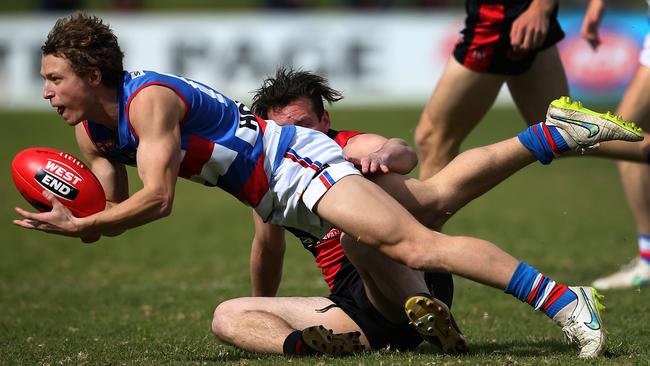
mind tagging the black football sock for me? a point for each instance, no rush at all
(295, 345)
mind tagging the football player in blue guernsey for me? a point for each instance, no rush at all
(169, 127)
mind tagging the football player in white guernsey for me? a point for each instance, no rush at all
(312, 188)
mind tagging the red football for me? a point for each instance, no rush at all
(67, 177)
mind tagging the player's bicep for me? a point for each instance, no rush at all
(155, 114)
(112, 176)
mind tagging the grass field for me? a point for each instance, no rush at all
(147, 297)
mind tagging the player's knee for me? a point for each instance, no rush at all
(223, 316)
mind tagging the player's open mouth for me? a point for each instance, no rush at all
(60, 110)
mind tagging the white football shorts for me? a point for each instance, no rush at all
(311, 165)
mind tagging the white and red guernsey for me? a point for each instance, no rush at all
(222, 143)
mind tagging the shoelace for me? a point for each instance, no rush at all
(574, 334)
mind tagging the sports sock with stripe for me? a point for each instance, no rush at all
(295, 345)
(532, 287)
(544, 142)
(644, 247)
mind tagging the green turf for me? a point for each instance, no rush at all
(147, 296)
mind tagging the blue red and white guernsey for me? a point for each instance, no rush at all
(337, 270)
(223, 144)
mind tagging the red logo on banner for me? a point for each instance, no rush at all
(610, 66)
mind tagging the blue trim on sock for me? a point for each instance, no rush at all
(538, 146)
(567, 297)
(558, 139)
(521, 281)
(644, 237)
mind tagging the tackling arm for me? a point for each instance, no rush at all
(267, 254)
(377, 154)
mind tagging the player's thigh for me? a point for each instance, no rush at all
(460, 100)
(363, 210)
(635, 105)
(297, 312)
(533, 90)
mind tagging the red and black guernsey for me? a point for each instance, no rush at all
(328, 253)
(485, 42)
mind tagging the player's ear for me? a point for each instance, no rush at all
(95, 76)
(325, 120)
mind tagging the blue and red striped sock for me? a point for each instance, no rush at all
(644, 247)
(544, 141)
(532, 287)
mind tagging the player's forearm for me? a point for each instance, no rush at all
(142, 207)
(595, 10)
(265, 279)
(266, 261)
(401, 157)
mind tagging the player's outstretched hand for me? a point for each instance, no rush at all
(58, 221)
(529, 29)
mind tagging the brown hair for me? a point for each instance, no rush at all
(87, 43)
(289, 85)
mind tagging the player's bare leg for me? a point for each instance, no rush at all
(389, 287)
(396, 234)
(459, 101)
(636, 180)
(533, 90)
(262, 324)
(397, 286)
(469, 175)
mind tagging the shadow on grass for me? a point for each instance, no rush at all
(551, 348)
(489, 350)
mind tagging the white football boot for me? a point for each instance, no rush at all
(586, 128)
(581, 322)
(633, 275)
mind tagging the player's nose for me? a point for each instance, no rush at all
(48, 93)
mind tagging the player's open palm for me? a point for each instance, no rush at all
(529, 30)
(57, 221)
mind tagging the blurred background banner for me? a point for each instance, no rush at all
(387, 58)
(602, 76)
